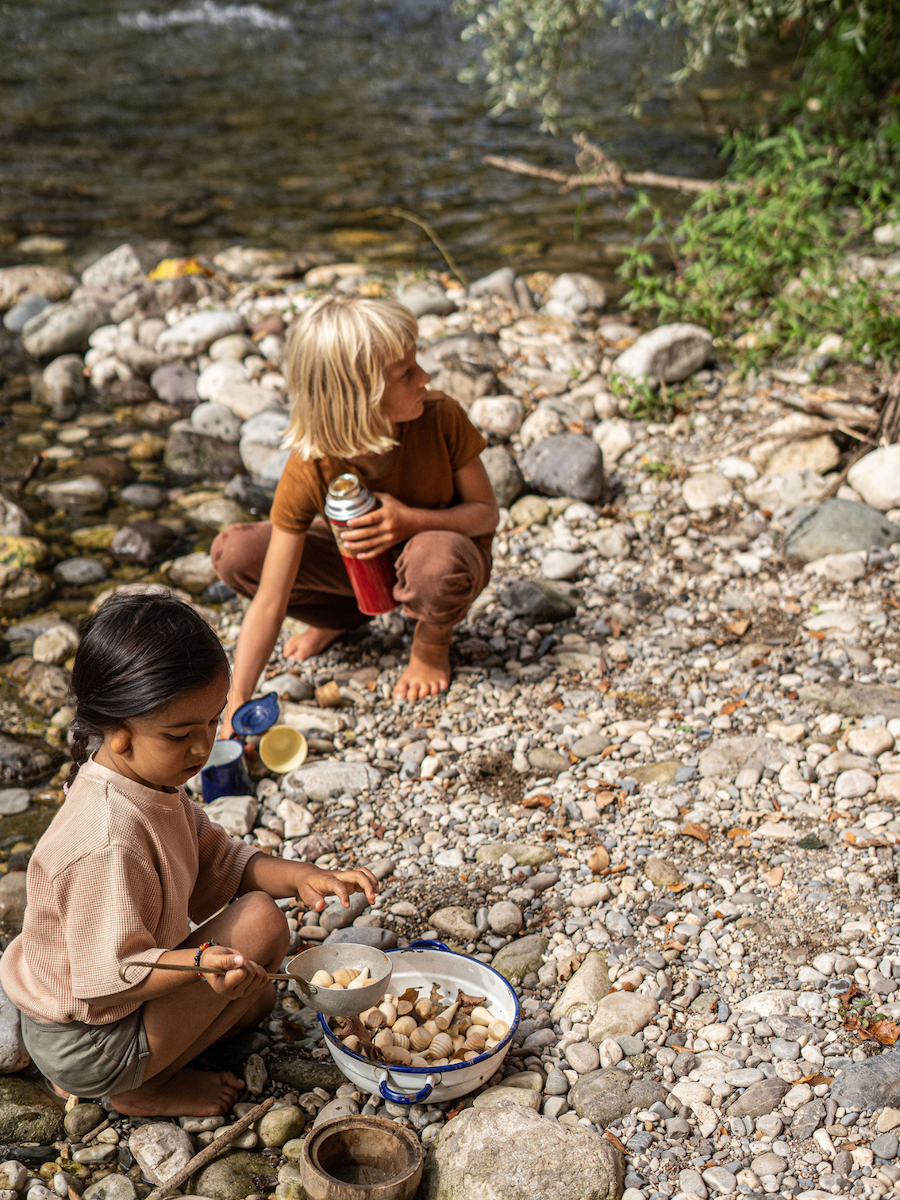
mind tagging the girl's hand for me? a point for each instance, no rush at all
(314, 885)
(244, 975)
(381, 528)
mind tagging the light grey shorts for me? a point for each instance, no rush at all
(90, 1061)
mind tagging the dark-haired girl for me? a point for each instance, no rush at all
(129, 860)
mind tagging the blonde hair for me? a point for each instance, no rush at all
(336, 357)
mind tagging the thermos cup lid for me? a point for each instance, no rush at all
(256, 715)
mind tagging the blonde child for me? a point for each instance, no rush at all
(360, 404)
(124, 865)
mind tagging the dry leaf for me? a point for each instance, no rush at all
(775, 876)
(604, 798)
(410, 996)
(467, 1003)
(818, 634)
(731, 707)
(850, 837)
(598, 860)
(558, 705)
(611, 1137)
(615, 627)
(738, 832)
(884, 1031)
(816, 1079)
(738, 627)
(692, 829)
(678, 887)
(539, 800)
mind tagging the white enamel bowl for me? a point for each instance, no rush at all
(419, 966)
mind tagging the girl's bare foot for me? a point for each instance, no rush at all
(186, 1094)
(429, 663)
(58, 1091)
(309, 643)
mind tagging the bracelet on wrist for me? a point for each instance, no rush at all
(199, 955)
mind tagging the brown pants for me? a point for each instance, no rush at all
(439, 574)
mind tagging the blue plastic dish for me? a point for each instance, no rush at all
(256, 715)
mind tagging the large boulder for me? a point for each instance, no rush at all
(605, 1095)
(32, 279)
(13, 1055)
(509, 1152)
(28, 1113)
(566, 464)
(669, 352)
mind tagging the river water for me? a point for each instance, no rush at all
(282, 122)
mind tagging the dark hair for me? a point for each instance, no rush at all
(137, 653)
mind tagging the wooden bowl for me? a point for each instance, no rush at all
(361, 1158)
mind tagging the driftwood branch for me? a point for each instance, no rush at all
(568, 182)
(208, 1153)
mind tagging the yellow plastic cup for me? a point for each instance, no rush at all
(283, 749)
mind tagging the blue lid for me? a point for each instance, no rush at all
(256, 715)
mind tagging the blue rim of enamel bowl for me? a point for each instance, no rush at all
(432, 1070)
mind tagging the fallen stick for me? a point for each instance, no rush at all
(208, 1153)
(29, 473)
(599, 178)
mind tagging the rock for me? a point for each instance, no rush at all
(727, 756)
(255, 1075)
(566, 464)
(28, 1113)
(279, 1126)
(23, 310)
(219, 376)
(850, 785)
(248, 400)
(219, 512)
(543, 759)
(705, 490)
(55, 644)
(505, 918)
(335, 916)
(75, 496)
(236, 814)
(503, 471)
(610, 543)
(13, 800)
(470, 1159)
(175, 383)
(720, 1180)
(142, 542)
(886, 1146)
(853, 699)
(195, 455)
(840, 568)
(614, 438)
(319, 779)
(876, 477)
(524, 853)
(560, 564)
(82, 1119)
(22, 761)
(583, 1057)
(819, 454)
(303, 1074)
(111, 1187)
(33, 280)
(759, 1098)
(585, 989)
(499, 283)
(573, 294)
(161, 1149)
(22, 590)
(196, 333)
(13, 521)
(538, 600)
(773, 1002)
(117, 271)
(363, 935)
(521, 957)
(605, 1095)
(589, 895)
(63, 328)
(64, 383)
(426, 297)
(13, 897)
(215, 420)
(669, 352)
(231, 1177)
(786, 491)
(343, 1106)
(590, 744)
(658, 772)
(621, 1013)
(530, 510)
(22, 551)
(874, 1083)
(46, 687)
(494, 1096)
(260, 446)
(79, 572)
(497, 415)
(663, 873)
(13, 1055)
(193, 572)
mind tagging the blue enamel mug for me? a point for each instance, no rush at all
(225, 772)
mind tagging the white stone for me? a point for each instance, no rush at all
(499, 415)
(560, 564)
(850, 785)
(246, 400)
(215, 420)
(691, 1094)
(573, 294)
(876, 477)
(218, 375)
(874, 741)
(193, 572)
(771, 1003)
(706, 490)
(733, 467)
(614, 438)
(194, 334)
(839, 568)
(669, 352)
(236, 814)
(13, 800)
(610, 543)
(55, 644)
(786, 491)
(161, 1149)
(115, 269)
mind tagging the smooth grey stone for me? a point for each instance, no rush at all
(381, 939)
(874, 1083)
(759, 1098)
(566, 464)
(13, 800)
(886, 1145)
(143, 495)
(29, 306)
(837, 527)
(504, 473)
(78, 572)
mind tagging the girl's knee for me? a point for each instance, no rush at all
(262, 926)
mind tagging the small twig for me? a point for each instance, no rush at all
(208, 1153)
(89, 1137)
(448, 258)
(600, 178)
(30, 473)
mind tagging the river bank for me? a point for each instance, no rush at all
(660, 794)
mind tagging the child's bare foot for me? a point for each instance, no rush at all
(187, 1094)
(309, 643)
(429, 663)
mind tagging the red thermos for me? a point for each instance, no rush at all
(372, 579)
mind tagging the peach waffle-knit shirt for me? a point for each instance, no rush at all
(116, 876)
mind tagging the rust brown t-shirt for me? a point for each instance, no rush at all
(431, 449)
